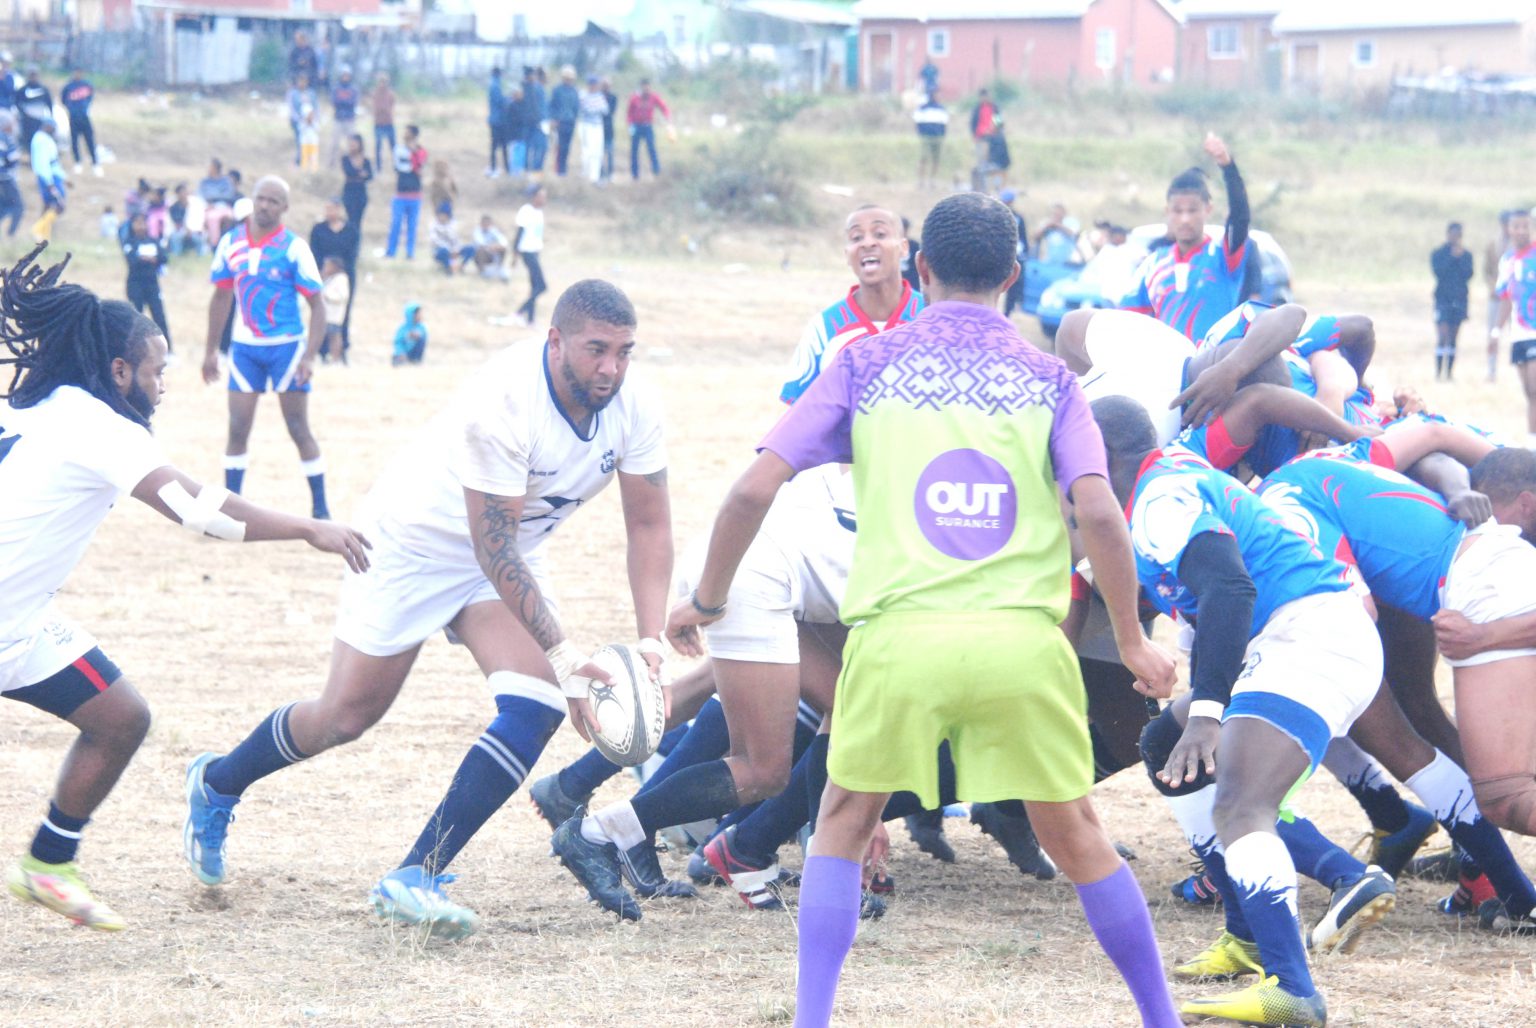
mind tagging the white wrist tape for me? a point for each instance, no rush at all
(649, 647)
(1213, 709)
(565, 658)
(202, 516)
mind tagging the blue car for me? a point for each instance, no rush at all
(1111, 274)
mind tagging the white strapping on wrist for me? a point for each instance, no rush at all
(565, 658)
(649, 646)
(1213, 709)
(201, 515)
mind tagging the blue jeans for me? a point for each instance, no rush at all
(648, 134)
(403, 212)
(518, 163)
(380, 133)
(538, 146)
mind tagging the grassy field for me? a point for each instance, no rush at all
(216, 636)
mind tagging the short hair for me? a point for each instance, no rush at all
(593, 299)
(1454, 226)
(1125, 425)
(970, 242)
(1191, 180)
(1505, 473)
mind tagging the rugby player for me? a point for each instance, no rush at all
(956, 583)
(262, 269)
(1515, 322)
(74, 439)
(461, 522)
(1194, 280)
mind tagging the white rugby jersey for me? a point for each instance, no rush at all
(505, 434)
(63, 464)
(1137, 356)
(811, 524)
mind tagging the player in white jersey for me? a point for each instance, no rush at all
(74, 439)
(459, 523)
(793, 572)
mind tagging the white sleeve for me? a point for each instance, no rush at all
(492, 456)
(806, 363)
(118, 450)
(645, 451)
(524, 217)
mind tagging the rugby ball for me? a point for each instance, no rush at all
(631, 714)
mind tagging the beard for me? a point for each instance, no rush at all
(583, 395)
(139, 400)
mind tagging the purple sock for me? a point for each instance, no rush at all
(829, 917)
(1117, 913)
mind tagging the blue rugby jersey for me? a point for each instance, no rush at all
(1190, 291)
(268, 276)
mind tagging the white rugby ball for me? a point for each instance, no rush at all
(631, 713)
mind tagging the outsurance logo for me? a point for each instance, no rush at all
(966, 505)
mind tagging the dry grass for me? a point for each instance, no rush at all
(216, 636)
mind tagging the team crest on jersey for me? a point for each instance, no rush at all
(609, 462)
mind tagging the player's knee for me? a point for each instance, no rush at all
(349, 723)
(1508, 801)
(759, 779)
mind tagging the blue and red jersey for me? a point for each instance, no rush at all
(834, 328)
(268, 276)
(1179, 495)
(1397, 533)
(1190, 290)
(1517, 284)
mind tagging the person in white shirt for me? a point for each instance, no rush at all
(44, 150)
(528, 247)
(335, 291)
(74, 439)
(491, 249)
(592, 109)
(460, 523)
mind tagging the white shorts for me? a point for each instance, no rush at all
(1138, 357)
(404, 598)
(762, 608)
(53, 643)
(1311, 671)
(1492, 577)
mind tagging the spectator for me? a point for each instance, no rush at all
(641, 116)
(35, 103)
(1013, 299)
(324, 52)
(932, 122)
(444, 237)
(593, 111)
(443, 191)
(10, 159)
(155, 213)
(1452, 267)
(344, 100)
(529, 247)
(357, 172)
(145, 256)
(110, 227)
(136, 200)
(514, 129)
(928, 74)
(303, 62)
(177, 234)
(9, 83)
(309, 141)
(410, 338)
(339, 238)
(491, 250)
(1493, 259)
(998, 160)
(77, 95)
(405, 211)
(301, 98)
(983, 120)
(218, 193)
(1056, 242)
(564, 106)
(235, 184)
(536, 118)
(50, 178)
(613, 107)
(909, 262)
(496, 121)
(336, 291)
(382, 103)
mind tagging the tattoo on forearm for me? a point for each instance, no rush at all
(657, 477)
(496, 549)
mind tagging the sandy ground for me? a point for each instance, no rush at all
(217, 635)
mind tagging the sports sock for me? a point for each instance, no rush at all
(267, 749)
(58, 837)
(583, 775)
(778, 818)
(234, 471)
(1265, 881)
(1195, 815)
(314, 471)
(816, 777)
(1368, 783)
(708, 738)
(1447, 791)
(1117, 913)
(490, 773)
(829, 918)
(1314, 854)
(692, 794)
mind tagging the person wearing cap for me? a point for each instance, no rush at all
(77, 95)
(35, 103)
(344, 99)
(591, 112)
(564, 107)
(50, 178)
(641, 115)
(1014, 298)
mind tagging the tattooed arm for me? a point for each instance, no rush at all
(648, 524)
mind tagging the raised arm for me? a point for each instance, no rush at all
(1238, 215)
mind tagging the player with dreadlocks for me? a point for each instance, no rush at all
(86, 377)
